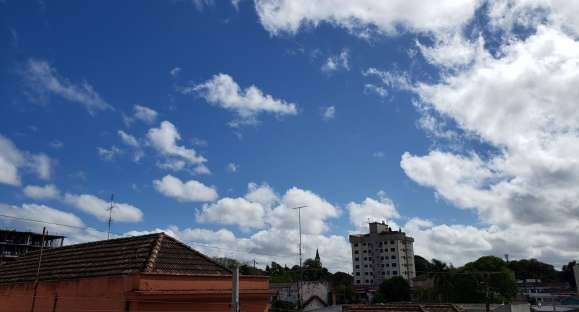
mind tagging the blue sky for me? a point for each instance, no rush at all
(210, 119)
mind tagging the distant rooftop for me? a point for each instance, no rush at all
(157, 253)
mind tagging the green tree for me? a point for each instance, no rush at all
(531, 269)
(342, 285)
(567, 274)
(493, 274)
(394, 289)
(422, 265)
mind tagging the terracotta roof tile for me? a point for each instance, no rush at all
(147, 253)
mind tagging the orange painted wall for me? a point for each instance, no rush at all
(139, 292)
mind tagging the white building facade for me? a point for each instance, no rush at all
(380, 255)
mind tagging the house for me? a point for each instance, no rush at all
(151, 272)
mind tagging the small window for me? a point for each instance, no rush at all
(357, 259)
(392, 249)
(363, 244)
(394, 272)
(357, 266)
(393, 264)
(358, 282)
(392, 242)
(365, 273)
(357, 273)
(393, 257)
(355, 252)
(365, 258)
(365, 265)
(382, 258)
(356, 245)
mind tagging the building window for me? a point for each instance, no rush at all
(357, 273)
(365, 265)
(382, 258)
(393, 264)
(392, 242)
(357, 259)
(365, 273)
(392, 249)
(356, 245)
(365, 258)
(355, 252)
(358, 282)
(394, 272)
(393, 257)
(363, 244)
(357, 266)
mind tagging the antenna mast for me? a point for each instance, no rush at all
(110, 209)
(299, 209)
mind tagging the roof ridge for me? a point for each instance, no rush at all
(152, 260)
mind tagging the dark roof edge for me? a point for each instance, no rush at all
(198, 253)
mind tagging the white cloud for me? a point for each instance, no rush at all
(314, 216)
(12, 160)
(100, 208)
(189, 191)
(49, 191)
(44, 79)
(237, 211)
(337, 62)
(232, 167)
(164, 139)
(145, 114)
(175, 72)
(328, 113)
(520, 101)
(54, 218)
(109, 154)
(364, 16)
(132, 142)
(223, 91)
(371, 209)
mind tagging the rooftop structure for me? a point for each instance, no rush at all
(381, 254)
(152, 272)
(14, 244)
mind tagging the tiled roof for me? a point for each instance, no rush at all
(147, 253)
(404, 308)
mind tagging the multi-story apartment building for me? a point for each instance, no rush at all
(381, 254)
(14, 244)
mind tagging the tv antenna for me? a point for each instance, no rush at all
(299, 209)
(110, 209)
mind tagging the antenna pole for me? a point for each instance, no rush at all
(111, 215)
(299, 209)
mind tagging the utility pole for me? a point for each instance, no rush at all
(110, 209)
(38, 270)
(299, 209)
(235, 290)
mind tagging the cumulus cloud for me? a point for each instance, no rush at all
(57, 221)
(49, 191)
(43, 80)
(12, 160)
(190, 191)
(365, 16)
(99, 208)
(337, 62)
(132, 142)
(223, 91)
(328, 113)
(164, 139)
(522, 103)
(371, 209)
(237, 211)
